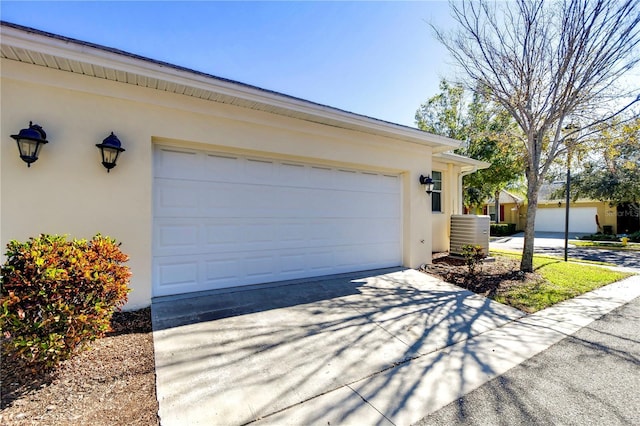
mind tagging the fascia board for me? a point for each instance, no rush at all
(466, 163)
(121, 61)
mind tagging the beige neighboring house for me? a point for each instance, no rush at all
(222, 184)
(511, 209)
(585, 216)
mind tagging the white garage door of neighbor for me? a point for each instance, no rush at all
(581, 219)
(223, 220)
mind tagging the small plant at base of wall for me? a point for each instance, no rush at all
(473, 255)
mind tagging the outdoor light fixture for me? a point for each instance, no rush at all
(29, 142)
(428, 183)
(110, 148)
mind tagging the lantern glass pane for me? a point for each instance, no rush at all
(110, 155)
(28, 148)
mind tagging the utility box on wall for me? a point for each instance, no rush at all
(469, 229)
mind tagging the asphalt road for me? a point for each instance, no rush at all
(627, 259)
(553, 244)
(590, 378)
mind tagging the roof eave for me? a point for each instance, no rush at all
(75, 50)
(467, 164)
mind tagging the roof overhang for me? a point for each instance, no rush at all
(61, 53)
(466, 164)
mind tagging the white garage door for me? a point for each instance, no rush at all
(581, 219)
(223, 220)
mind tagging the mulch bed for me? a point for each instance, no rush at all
(492, 276)
(110, 383)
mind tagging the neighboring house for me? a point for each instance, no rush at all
(222, 184)
(510, 206)
(585, 216)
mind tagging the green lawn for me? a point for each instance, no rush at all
(612, 246)
(518, 254)
(560, 281)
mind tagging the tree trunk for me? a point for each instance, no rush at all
(526, 265)
(497, 198)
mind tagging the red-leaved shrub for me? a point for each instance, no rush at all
(56, 295)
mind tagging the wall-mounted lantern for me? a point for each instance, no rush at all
(29, 142)
(428, 183)
(110, 148)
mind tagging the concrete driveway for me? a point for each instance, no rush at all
(377, 348)
(233, 357)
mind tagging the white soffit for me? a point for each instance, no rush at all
(466, 163)
(52, 51)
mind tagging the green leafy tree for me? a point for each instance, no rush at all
(445, 114)
(487, 130)
(613, 174)
(548, 63)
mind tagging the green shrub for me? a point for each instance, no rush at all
(502, 229)
(635, 237)
(600, 237)
(473, 256)
(56, 295)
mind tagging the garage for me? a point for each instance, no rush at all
(223, 220)
(221, 184)
(581, 219)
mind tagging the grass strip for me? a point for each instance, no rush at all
(559, 281)
(518, 254)
(612, 246)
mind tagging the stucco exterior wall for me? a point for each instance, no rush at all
(67, 191)
(451, 204)
(514, 214)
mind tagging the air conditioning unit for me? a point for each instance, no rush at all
(469, 229)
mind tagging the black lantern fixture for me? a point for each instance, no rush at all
(110, 148)
(29, 142)
(428, 183)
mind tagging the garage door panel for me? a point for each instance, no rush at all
(384, 206)
(177, 164)
(175, 198)
(220, 167)
(236, 221)
(581, 219)
(221, 269)
(347, 257)
(221, 232)
(293, 232)
(177, 273)
(260, 265)
(259, 170)
(292, 175)
(175, 236)
(389, 183)
(293, 263)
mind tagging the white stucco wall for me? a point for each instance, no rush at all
(451, 204)
(67, 191)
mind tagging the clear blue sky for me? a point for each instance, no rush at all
(373, 58)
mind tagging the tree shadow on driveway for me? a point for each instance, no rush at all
(240, 356)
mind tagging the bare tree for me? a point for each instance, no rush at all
(549, 64)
